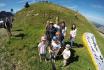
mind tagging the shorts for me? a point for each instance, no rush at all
(43, 55)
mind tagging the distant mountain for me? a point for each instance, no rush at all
(99, 27)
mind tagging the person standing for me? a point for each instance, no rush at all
(42, 48)
(73, 34)
(66, 54)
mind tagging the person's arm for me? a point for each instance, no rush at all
(50, 49)
(70, 33)
(65, 29)
(39, 48)
(62, 53)
(74, 33)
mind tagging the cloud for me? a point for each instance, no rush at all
(2, 4)
(97, 6)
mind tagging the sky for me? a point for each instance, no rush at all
(92, 9)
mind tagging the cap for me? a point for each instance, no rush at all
(67, 46)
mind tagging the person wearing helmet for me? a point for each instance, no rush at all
(66, 54)
(42, 48)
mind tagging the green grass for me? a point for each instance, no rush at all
(22, 54)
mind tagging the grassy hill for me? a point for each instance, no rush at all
(21, 53)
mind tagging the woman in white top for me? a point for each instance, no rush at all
(72, 34)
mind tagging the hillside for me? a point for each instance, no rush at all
(21, 53)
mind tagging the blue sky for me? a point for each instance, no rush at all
(92, 9)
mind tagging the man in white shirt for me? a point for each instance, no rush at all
(66, 54)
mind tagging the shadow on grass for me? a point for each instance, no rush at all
(73, 58)
(18, 30)
(20, 35)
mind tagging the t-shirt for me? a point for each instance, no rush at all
(73, 33)
(42, 48)
(56, 46)
(66, 54)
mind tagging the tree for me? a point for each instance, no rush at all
(27, 5)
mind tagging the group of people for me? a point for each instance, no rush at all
(54, 41)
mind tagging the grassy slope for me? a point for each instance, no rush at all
(22, 54)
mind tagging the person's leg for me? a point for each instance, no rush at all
(45, 57)
(40, 58)
(65, 62)
(53, 56)
(71, 42)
